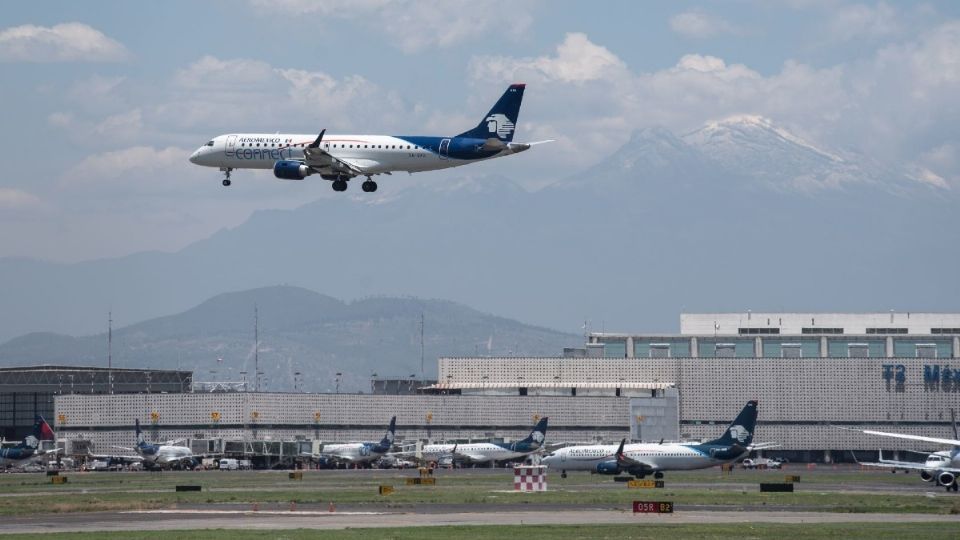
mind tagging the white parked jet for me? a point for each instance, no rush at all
(356, 452)
(168, 455)
(29, 451)
(485, 452)
(942, 466)
(642, 459)
(339, 158)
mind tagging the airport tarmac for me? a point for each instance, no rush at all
(461, 497)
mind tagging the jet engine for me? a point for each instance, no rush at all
(608, 467)
(291, 170)
(926, 476)
(946, 478)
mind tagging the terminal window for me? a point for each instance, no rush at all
(886, 330)
(725, 350)
(659, 350)
(758, 330)
(858, 350)
(821, 330)
(945, 330)
(927, 350)
(791, 350)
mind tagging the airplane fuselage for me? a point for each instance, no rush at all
(474, 452)
(353, 452)
(660, 457)
(375, 154)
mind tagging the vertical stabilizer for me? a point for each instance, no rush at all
(740, 431)
(501, 121)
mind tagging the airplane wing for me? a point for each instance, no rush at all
(318, 158)
(113, 458)
(937, 440)
(628, 463)
(763, 446)
(468, 456)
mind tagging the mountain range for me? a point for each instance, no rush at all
(738, 214)
(298, 331)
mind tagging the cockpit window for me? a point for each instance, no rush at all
(210, 143)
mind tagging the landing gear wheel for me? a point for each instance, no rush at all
(226, 182)
(658, 475)
(563, 474)
(369, 186)
(226, 176)
(339, 185)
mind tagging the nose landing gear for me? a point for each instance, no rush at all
(226, 178)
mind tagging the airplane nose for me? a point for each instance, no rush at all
(195, 157)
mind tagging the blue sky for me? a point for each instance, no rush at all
(103, 102)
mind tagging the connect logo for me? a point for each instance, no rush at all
(739, 433)
(537, 437)
(501, 125)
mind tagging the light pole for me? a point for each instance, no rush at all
(338, 381)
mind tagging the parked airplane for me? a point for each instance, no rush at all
(156, 456)
(486, 452)
(942, 466)
(642, 459)
(339, 158)
(356, 452)
(29, 450)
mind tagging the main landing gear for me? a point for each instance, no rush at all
(340, 184)
(369, 186)
(226, 178)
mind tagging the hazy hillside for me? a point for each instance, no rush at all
(738, 215)
(300, 330)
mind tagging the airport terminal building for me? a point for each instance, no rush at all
(813, 374)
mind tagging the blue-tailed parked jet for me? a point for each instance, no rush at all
(29, 449)
(642, 459)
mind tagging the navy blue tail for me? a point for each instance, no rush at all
(501, 121)
(538, 434)
(741, 429)
(386, 443)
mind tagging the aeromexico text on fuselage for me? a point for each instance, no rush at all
(404, 153)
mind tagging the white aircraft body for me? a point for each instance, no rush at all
(642, 459)
(357, 452)
(339, 158)
(942, 466)
(168, 455)
(485, 452)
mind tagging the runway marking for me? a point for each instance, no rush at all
(262, 512)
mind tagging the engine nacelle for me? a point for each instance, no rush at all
(608, 467)
(926, 476)
(946, 478)
(291, 170)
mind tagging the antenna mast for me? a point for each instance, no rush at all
(256, 349)
(110, 350)
(421, 344)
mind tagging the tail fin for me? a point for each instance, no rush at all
(538, 433)
(139, 433)
(389, 437)
(501, 121)
(42, 430)
(741, 429)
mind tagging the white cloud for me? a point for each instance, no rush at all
(69, 42)
(16, 199)
(577, 60)
(860, 21)
(413, 25)
(250, 95)
(129, 165)
(698, 24)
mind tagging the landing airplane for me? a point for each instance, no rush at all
(29, 450)
(942, 466)
(642, 459)
(339, 158)
(356, 452)
(156, 456)
(486, 452)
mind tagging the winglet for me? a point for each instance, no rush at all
(316, 143)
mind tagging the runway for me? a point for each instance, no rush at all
(168, 520)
